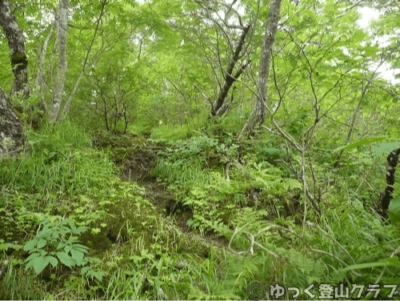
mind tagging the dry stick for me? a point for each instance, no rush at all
(252, 237)
(349, 8)
(340, 246)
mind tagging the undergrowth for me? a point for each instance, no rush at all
(72, 230)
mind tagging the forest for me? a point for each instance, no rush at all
(199, 150)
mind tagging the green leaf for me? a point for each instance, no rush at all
(68, 248)
(292, 184)
(45, 232)
(77, 255)
(366, 266)
(28, 265)
(81, 248)
(385, 148)
(30, 245)
(52, 260)
(65, 259)
(80, 230)
(6, 246)
(32, 256)
(394, 211)
(95, 230)
(393, 261)
(361, 142)
(41, 243)
(39, 264)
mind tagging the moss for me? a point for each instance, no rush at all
(19, 58)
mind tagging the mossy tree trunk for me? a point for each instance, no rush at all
(11, 136)
(15, 39)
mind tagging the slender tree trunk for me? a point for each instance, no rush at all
(258, 116)
(218, 107)
(42, 57)
(15, 39)
(265, 61)
(62, 61)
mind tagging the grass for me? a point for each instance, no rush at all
(146, 256)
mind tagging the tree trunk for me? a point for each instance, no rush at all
(42, 57)
(258, 116)
(218, 108)
(11, 138)
(15, 39)
(62, 61)
(387, 195)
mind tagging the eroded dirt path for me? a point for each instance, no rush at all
(136, 167)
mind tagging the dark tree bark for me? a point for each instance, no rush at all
(11, 138)
(218, 108)
(387, 195)
(15, 39)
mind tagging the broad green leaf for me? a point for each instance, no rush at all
(394, 211)
(30, 245)
(52, 260)
(361, 142)
(32, 256)
(6, 246)
(80, 230)
(68, 248)
(385, 148)
(39, 264)
(65, 259)
(77, 255)
(45, 232)
(55, 234)
(28, 265)
(41, 243)
(394, 261)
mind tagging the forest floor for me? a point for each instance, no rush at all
(136, 167)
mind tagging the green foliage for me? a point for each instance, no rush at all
(361, 142)
(394, 211)
(153, 69)
(57, 242)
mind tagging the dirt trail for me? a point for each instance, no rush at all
(136, 167)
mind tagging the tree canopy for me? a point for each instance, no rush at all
(199, 149)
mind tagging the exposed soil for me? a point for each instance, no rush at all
(136, 167)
